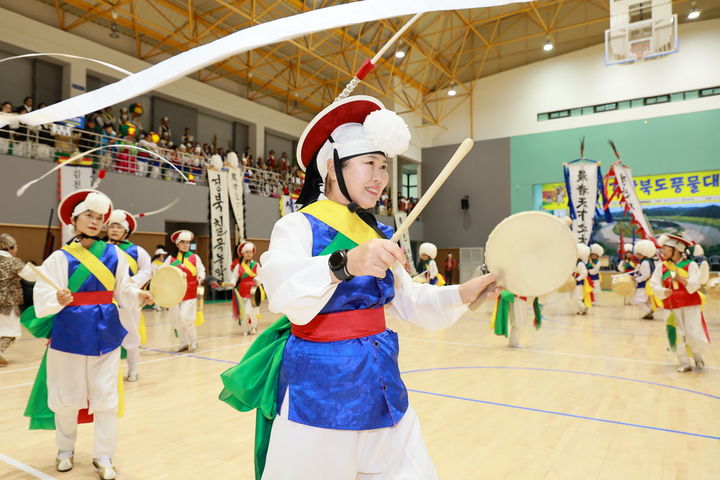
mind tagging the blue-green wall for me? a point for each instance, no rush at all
(677, 143)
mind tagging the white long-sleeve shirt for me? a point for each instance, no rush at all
(643, 272)
(581, 271)
(55, 267)
(145, 269)
(300, 285)
(693, 281)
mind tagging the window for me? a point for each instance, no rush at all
(409, 182)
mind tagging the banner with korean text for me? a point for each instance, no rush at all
(220, 256)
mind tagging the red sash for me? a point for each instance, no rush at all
(331, 327)
(679, 297)
(91, 298)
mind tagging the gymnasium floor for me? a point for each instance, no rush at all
(593, 397)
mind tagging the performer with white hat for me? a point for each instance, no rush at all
(76, 293)
(428, 252)
(342, 408)
(12, 270)
(677, 284)
(120, 226)
(593, 267)
(244, 278)
(186, 316)
(582, 286)
(627, 265)
(645, 252)
(158, 259)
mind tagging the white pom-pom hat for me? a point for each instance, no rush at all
(679, 242)
(245, 247)
(124, 219)
(182, 235)
(646, 248)
(428, 249)
(81, 201)
(353, 126)
(628, 247)
(597, 249)
(583, 252)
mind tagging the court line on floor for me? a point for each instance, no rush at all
(550, 352)
(25, 468)
(574, 372)
(563, 414)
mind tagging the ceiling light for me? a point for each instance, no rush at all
(452, 92)
(400, 54)
(694, 13)
(548, 45)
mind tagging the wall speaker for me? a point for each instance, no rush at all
(465, 203)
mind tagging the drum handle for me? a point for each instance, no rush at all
(482, 297)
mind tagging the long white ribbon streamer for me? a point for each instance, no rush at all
(159, 210)
(22, 189)
(67, 55)
(247, 39)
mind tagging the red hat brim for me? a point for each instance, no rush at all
(348, 110)
(239, 248)
(68, 204)
(132, 223)
(173, 237)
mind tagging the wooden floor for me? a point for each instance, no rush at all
(593, 397)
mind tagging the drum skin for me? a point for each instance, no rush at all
(168, 286)
(568, 286)
(623, 285)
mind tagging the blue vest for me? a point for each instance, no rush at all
(348, 384)
(132, 250)
(591, 264)
(89, 329)
(652, 269)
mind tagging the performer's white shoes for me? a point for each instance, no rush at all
(133, 376)
(699, 362)
(182, 348)
(64, 460)
(105, 468)
(684, 368)
(193, 347)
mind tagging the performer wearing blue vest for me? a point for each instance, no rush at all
(593, 268)
(428, 252)
(342, 408)
(83, 358)
(644, 251)
(120, 226)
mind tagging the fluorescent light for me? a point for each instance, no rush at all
(548, 46)
(694, 13)
(400, 54)
(452, 92)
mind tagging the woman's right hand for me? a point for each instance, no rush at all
(374, 258)
(64, 297)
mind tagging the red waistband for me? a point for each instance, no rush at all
(332, 327)
(91, 298)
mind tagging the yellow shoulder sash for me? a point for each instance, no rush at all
(339, 218)
(132, 262)
(247, 269)
(92, 263)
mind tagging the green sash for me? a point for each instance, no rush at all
(41, 417)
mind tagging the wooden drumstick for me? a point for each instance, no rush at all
(457, 157)
(481, 297)
(44, 277)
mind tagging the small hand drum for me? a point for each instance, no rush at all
(623, 284)
(256, 295)
(168, 286)
(531, 253)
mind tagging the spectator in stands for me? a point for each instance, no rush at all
(109, 118)
(27, 103)
(166, 142)
(21, 131)
(188, 138)
(89, 140)
(247, 154)
(271, 163)
(41, 105)
(164, 127)
(97, 117)
(260, 165)
(283, 163)
(5, 131)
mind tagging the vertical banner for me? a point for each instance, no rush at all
(287, 205)
(624, 191)
(219, 225)
(405, 240)
(581, 181)
(237, 201)
(71, 178)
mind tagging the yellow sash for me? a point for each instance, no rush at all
(249, 272)
(92, 263)
(339, 218)
(132, 262)
(186, 263)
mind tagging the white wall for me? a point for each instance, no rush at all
(30, 35)
(507, 104)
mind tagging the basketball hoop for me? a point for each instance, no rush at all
(639, 50)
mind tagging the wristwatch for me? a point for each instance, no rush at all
(338, 265)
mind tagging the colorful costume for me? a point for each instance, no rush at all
(12, 270)
(583, 290)
(430, 271)
(186, 316)
(511, 315)
(593, 267)
(325, 379)
(644, 297)
(244, 278)
(82, 362)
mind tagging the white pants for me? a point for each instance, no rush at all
(10, 324)
(596, 291)
(518, 321)
(689, 333)
(301, 452)
(182, 319)
(640, 299)
(249, 319)
(79, 381)
(130, 319)
(579, 299)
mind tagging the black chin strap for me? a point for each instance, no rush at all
(79, 237)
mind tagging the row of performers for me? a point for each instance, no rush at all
(324, 379)
(667, 280)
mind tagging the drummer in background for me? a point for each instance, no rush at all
(627, 265)
(644, 252)
(120, 226)
(185, 317)
(158, 258)
(676, 283)
(593, 267)
(244, 278)
(83, 358)
(428, 252)
(582, 286)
